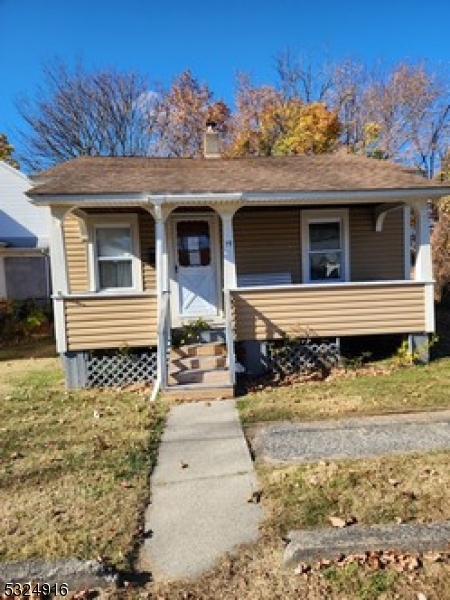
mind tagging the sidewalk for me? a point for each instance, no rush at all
(199, 492)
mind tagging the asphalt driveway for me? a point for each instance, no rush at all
(352, 438)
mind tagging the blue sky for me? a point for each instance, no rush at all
(163, 38)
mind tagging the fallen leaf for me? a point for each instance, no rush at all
(393, 482)
(337, 522)
(323, 564)
(100, 443)
(84, 595)
(302, 568)
(414, 563)
(433, 556)
(255, 497)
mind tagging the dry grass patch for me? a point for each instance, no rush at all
(373, 390)
(403, 488)
(74, 469)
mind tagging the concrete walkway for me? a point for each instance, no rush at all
(353, 438)
(200, 491)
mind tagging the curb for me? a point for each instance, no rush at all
(75, 573)
(330, 543)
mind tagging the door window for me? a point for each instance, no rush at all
(193, 244)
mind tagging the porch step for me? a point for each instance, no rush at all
(218, 376)
(204, 362)
(199, 370)
(192, 350)
(197, 391)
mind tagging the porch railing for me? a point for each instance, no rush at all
(333, 310)
(229, 335)
(163, 343)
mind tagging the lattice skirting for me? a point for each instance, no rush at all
(303, 356)
(116, 369)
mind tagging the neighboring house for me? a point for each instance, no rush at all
(24, 240)
(257, 247)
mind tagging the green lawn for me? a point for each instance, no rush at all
(372, 390)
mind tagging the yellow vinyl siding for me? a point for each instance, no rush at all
(376, 256)
(350, 310)
(268, 241)
(98, 323)
(76, 249)
(147, 240)
(76, 255)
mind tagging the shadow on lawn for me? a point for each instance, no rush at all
(441, 349)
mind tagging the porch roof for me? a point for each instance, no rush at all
(326, 173)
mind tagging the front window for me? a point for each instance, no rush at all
(113, 247)
(325, 251)
(324, 246)
(114, 254)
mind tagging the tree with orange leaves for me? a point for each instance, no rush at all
(266, 123)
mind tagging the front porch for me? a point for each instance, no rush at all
(264, 279)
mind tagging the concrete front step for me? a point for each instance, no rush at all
(192, 350)
(214, 376)
(198, 362)
(196, 392)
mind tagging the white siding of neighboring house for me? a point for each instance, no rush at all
(18, 217)
(24, 236)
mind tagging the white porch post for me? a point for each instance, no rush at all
(229, 280)
(424, 268)
(160, 215)
(423, 263)
(58, 264)
(229, 258)
(159, 253)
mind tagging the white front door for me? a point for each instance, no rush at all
(195, 266)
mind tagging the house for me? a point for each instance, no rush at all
(257, 247)
(24, 240)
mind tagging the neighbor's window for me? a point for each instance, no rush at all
(324, 252)
(114, 257)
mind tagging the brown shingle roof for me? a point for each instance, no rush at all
(314, 173)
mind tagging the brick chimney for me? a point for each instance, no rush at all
(211, 142)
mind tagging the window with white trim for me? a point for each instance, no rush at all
(325, 246)
(114, 255)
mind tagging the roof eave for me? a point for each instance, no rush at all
(297, 197)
